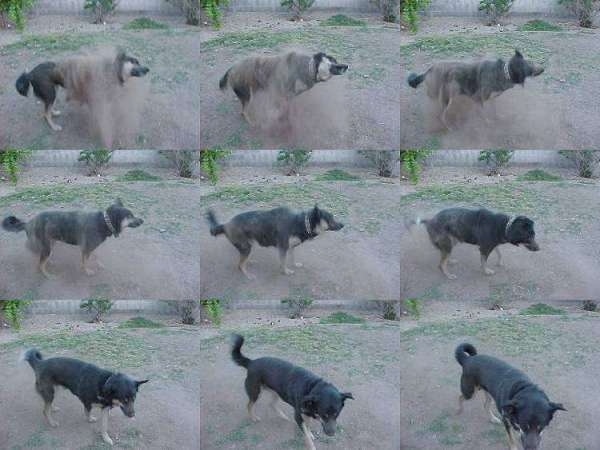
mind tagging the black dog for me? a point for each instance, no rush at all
(309, 395)
(525, 408)
(91, 384)
(478, 227)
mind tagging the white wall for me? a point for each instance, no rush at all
(470, 7)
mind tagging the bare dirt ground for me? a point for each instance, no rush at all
(361, 261)
(167, 408)
(158, 260)
(169, 111)
(555, 110)
(360, 358)
(557, 352)
(564, 212)
(355, 110)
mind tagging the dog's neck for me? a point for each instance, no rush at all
(507, 72)
(508, 225)
(108, 223)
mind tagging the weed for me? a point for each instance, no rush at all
(95, 160)
(140, 322)
(541, 309)
(538, 175)
(297, 305)
(214, 309)
(586, 161)
(12, 161)
(13, 311)
(336, 175)
(495, 9)
(297, 7)
(383, 160)
(341, 20)
(98, 307)
(539, 25)
(496, 160)
(293, 161)
(413, 306)
(209, 162)
(145, 23)
(138, 175)
(101, 8)
(341, 317)
(412, 161)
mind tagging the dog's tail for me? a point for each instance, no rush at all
(215, 227)
(415, 80)
(463, 351)
(22, 84)
(236, 353)
(224, 80)
(11, 223)
(33, 357)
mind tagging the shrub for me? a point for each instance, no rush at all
(388, 309)
(495, 9)
(184, 161)
(100, 9)
(585, 161)
(341, 20)
(190, 8)
(584, 10)
(214, 309)
(413, 307)
(297, 305)
(145, 23)
(209, 163)
(97, 307)
(187, 310)
(16, 11)
(412, 161)
(13, 311)
(539, 25)
(212, 8)
(95, 160)
(383, 160)
(409, 11)
(495, 160)
(12, 161)
(297, 7)
(590, 305)
(293, 161)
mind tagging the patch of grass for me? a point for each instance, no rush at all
(446, 431)
(538, 175)
(253, 40)
(539, 25)
(341, 20)
(96, 194)
(336, 175)
(341, 317)
(51, 44)
(145, 23)
(138, 175)
(140, 322)
(541, 309)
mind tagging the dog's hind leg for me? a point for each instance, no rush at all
(105, 437)
(275, 405)
(253, 390)
(444, 265)
(85, 256)
(49, 109)
(467, 389)
(244, 255)
(293, 259)
(444, 115)
(88, 413)
(44, 256)
(47, 393)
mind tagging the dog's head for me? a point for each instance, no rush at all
(321, 221)
(120, 390)
(127, 67)
(521, 231)
(121, 217)
(325, 403)
(520, 68)
(529, 417)
(327, 66)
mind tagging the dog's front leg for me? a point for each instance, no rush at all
(283, 262)
(308, 436)
(48, 116)
(499, 263)
(512, 443)
(105, 436)
(48, 415)
(484, 267)
(293, 259)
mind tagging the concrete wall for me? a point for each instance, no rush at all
(66, 158)
(470, 7)
(466, 158)
(263, 158)
(72, 306)
(275, 5)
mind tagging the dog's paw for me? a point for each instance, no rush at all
(287, 271)
(56, 127)
(89, 272)
(298, 264)
(106, 438)
(92, 419)
(488, 271)
(250, 277)
(55, 408)
(451, 276)
(55, 112)
(53, 423)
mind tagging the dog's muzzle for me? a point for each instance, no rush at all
(329, 427)
(533, 246)
(338, 69)
(139, 71)
(336, 226)
(531, 441)
(135, 223)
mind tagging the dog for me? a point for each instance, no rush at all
(288, 75)
(309, 395)
(479, 81)
(90, 384)
(86, 229)
(524, 407)
(76, 75)
(479, 227)
(279, 227)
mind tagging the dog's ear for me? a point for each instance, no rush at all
(346, 395)
(518, 54)
(138, 383)
(309, 403)
(557, 406)
(509, 410)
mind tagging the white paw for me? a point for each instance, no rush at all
(298, 264)
(488, 271)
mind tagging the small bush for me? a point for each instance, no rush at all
(297, 7)
(209, 163)
(341, 317)
(95, 160)
(214, 310)
(590, 305)
(190, 8)
(98, 307)
(409, 10)
(293, 161)
(541, 309)
(383, 160)
(538, 175)
(12, 161)
(212, 8)
(388, 309)
(16, 11)
(584, 10)
(100, 9)
(13, 311)
(186, 309)
(138, 175)
(144, 23)
(539, 25)
(140, 322)
(496, 160)
(337, 175)
(297, 306)
(494, 10)
(341, 20)
(184, 161)
(413, 306)
(412, 161)
(585, 161)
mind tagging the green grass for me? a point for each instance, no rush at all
(53, 43)
(341, 20)
(337, 175)
(538, 175)
(254, 40)
(100, 195)
(140, 322)
(447, 431)
(145, 23)
(138, 175)
(541, 309)
(539, 25)
(341, 317)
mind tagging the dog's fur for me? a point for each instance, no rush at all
(524, 407)
(309, 395)
(478, 227)
(480, 81)
(279, 227)
(91, 384)
(75, 75)
(287, 75)
(85, 229)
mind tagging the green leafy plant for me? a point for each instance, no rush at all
(214, 310)
(184, 161)
(341, 20)
(496, 160)
(100, 9)
(13, 311)
(95, 160)
(145, 23)
(16, 11)
(297, 7)
(212, 9)
(138, 175)
(584, 10)
(293, 161)
(98, 307)
(541, 309)
(209, 163)
(412, 161)
(539, 25)
(12, 161)
(297, 305)
(388, 309)
(590, 305)
(413, 307)
(494, 10)
(341, 317)
(585, 161)
(409, 10)
(383, 160)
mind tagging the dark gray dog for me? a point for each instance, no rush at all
(479, 81)
(478, 227)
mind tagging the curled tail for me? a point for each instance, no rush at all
(415, 80)
(11, 223)
(22, 84)
(462, 351)
(33, 357)
(224, 80)
(236, 354)
(215, 227)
